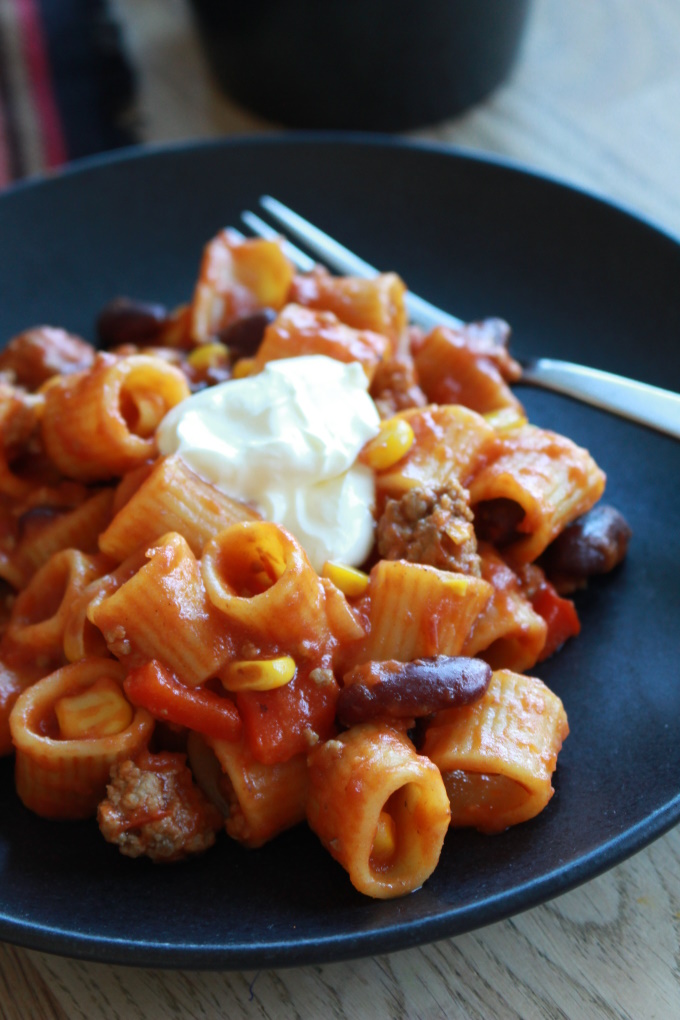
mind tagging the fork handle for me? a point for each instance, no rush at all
(649, 405)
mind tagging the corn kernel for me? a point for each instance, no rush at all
(392, 443)
(100, 711)
(349, 580)
(243, 368)
(208, 356)
(385, 839)
(457, 584)
(259, 674)
(503, 419)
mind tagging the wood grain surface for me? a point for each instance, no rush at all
(595, 101)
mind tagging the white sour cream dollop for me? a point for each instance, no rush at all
(286, 441)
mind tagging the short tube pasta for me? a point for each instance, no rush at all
(508, 632)
(66, 778)
(497, 756)
(258, 576)
(376, 304)
(259, 801)
(457, 367)
(78, 527)
(19, 418)
(81, 638)
(35, 631)
(162, 612)
(380, 809)
(101, 423)
(172, 498)
(450, 441)
(551, 481)
(13, 680)
(235, 278)
(436, 610)
(298, 331)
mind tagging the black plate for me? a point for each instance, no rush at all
(577, 278)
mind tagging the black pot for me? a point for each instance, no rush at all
(382, 65)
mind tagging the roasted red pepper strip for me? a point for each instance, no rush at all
(157, 689)
(560, 615)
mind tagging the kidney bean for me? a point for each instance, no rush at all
(593, 544)
(405, 690)
(125, 321)
(243, 336)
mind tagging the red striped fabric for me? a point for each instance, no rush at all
(66, 86)
(31, 135)
(40, 84)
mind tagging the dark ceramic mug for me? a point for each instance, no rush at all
(383, 65)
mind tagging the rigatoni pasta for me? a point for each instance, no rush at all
(101, 423)
(68, 730)
(379, 808)
(497, 756)
(185, 652)
(163, 612)
(171, 497)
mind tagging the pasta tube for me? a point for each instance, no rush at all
(163, 613)
(101, 423)
(237, 277)
(172, 498)
(19, 417)
(259, 577)
(81, 638)
(497, 755)
(466, 367)
(298, 331)
(259, 801)
(379, 808)
(449, 443)
(36, 627)
(508, 632)
(57, 529)
(13, 680)
(435, 608)
(58, 777)
(527, 495)
(376, 304)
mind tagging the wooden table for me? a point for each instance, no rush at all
(594, 101)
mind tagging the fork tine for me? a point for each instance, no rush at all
(343, 260)
(262, 229)
(327, 248)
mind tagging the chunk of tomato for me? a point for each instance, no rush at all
(281, 723)
(560, 615)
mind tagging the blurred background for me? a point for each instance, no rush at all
(584, 90)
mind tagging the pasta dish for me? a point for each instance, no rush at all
(277, 556)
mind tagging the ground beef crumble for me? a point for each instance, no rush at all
(395, 386)
(433, 527)
(154, 808)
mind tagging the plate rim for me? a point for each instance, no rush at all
(469, 154)
(141, 953)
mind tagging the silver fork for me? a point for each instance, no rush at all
(649, 405)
